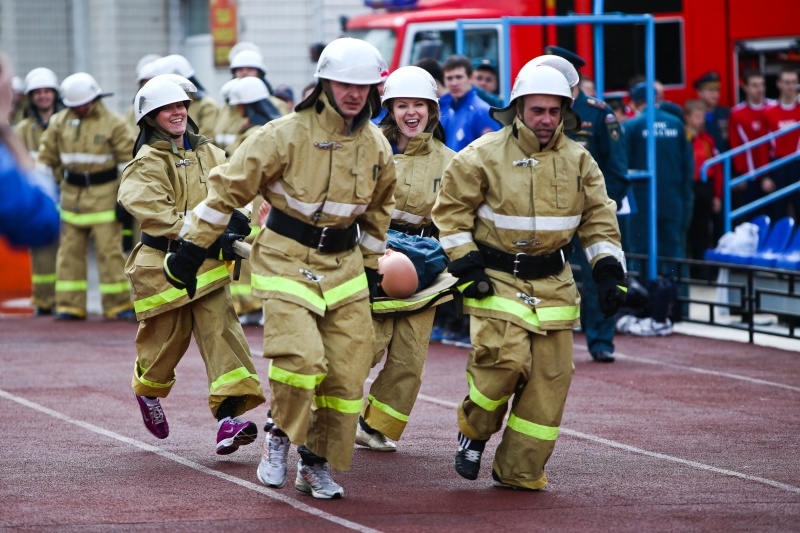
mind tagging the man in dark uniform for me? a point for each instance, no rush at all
(717, 117)
(601, 135)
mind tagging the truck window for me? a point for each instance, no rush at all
(383, 39)
(624, 53)
(441, 44)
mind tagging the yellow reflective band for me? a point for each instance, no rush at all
(388, 305)
(243, 289)
(477, 396)
(127, 232)
(254, 231)
(170, 295)
(114, 288)
(293, 379)
(140, 372)
(551, 314)
(504, 305)
(233, 376)
(274, 283)
(346, 289)
(532, 429)
(352, 407)
(386, 409)
(70, 286)
(87, 219)
(43, 278)
(623, 288)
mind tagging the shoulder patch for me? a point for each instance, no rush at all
(596, 103)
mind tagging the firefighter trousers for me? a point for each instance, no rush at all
(163, 339)
(392, 395)
(71, 269)
(318, 366)
(533, 371)
(43, 276)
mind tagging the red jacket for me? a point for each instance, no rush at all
(780, 116)
(748, 123)
(703, 149)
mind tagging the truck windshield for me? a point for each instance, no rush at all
(381, 38)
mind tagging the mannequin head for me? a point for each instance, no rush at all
(399, 275)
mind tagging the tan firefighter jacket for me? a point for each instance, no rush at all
(306, 165)
(506, 192)
(159, 188)
(419, 172)
(99, 142)
(204, 113)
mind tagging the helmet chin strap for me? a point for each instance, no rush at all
(163, 134)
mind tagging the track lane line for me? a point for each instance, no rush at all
(270, 493)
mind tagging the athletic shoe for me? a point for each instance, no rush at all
(69, 316)
(316, 480)
(468, 462)
(463, 341)
(436, 334)
(624, 323)
(128, 314)
(374, 441)
(647, 327)
(272, 467)
(233, 433)
(42, 311)
(250, 319)
(154, 418)
(449, 337)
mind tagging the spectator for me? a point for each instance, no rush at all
(782, 115)
(601, 135)
(41, 89)
(484, 78)
(587, 86)
(84, 147)
(28, 212)
(708, 91)
(707, 195)
(432, 66)
(674, 175)
(465, 117)
(748, 122)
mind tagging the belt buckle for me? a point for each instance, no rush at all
(517, 262)
(87, 178)
(321, 244)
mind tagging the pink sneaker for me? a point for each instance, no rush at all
(154, 418)
(233, 433)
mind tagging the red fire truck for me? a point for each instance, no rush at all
(692, 37)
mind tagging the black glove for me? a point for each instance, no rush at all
(374, 279)
(126, 219)
(610, 279)
(226, 241)
(471, 269)
(180, 267)
(239, 224)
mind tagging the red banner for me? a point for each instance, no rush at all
(224, 32)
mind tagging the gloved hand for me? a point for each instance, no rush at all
(374, 279)
(470, 270)
(181, 266)
(226, 241)
(239, 224)
(610, 279)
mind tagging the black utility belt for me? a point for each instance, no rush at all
(526, 266)
(422, 231)
(325, 240)
(168, 245)
(85, 179)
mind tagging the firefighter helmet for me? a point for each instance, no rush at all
(409, 82)
(160, 91)
(79, 89)
(349, 60)
(41, 78)
(247, 91)
(248, 58)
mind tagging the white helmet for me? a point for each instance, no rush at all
(41, 78)
(248, 58)
(238, 47)
(144, 68)
(557, 62)
(225, 91)
(409, 82)
(349, 60)
(538, 79)
(247, 91)
(79, 89)
(160, 91)
(173, 64)
(17, 85)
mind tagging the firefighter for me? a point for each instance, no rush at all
(329, 176)
(601, 134)
(41, 89)
(413, 129)
(204, 108)
(508, 208)
(248, 97)
(84, 146)
(165, 180)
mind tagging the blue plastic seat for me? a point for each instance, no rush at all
(762, 223)
(790, 258)
(775, 244)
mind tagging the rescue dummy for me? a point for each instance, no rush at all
(399, 275)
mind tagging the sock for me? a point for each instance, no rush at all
(275, 430)
(270, 422)
(309, 458)
(470, 444)
(227, 408)
(365, 426)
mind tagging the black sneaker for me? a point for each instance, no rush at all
(468, 462)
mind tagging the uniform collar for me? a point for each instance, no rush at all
(333, 122)
(528, 142)
(421, 144)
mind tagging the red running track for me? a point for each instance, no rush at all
(680, 434)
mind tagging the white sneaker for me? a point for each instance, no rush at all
(272, 467)
(624, 323)
(374, 441)
(316, 480)
(647, 327)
